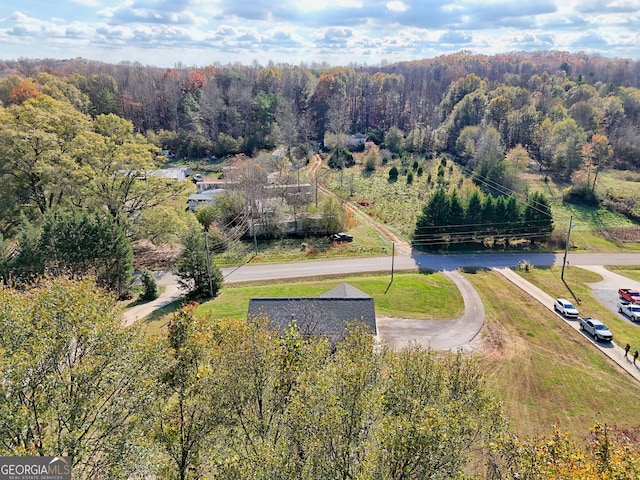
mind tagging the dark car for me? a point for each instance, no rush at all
(342, 237)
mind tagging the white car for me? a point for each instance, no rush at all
(565, 308)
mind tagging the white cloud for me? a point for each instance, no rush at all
(87, 3)
(337, 31)
(397, 6)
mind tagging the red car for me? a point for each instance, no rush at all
(629, 295)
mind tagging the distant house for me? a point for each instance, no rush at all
(198, 199)
(179, 174)
(213, 185)
(327, 315)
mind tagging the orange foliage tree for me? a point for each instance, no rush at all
(23, 91)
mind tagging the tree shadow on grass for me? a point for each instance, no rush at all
(160, 318)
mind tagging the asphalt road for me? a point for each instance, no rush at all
(606, 291)
(449, 334)
(249, 272)
(445, 334)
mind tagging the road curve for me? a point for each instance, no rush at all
(438, 334)
(171, 292)
(445, 334)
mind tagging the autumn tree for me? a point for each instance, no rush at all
(597, 153)
(74, 380)
(115, 170)
(185, 411)
(23, 91)
(37, 140)
(567, 139)
(606, 454)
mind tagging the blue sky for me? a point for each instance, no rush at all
(340, 32)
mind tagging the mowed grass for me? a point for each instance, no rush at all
(576, 290)
(411, 295)
(427, 296)
(631, 271)
(587, 222)
(545, 373)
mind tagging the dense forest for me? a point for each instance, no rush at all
(552, 103)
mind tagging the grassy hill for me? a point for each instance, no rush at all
(544, 372)
(397, 204)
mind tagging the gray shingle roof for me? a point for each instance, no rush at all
(326, 315)
(344, 290)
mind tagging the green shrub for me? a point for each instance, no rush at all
(341, 158)
(149, 285)
(409, 178)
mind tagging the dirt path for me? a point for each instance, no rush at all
(401, 246)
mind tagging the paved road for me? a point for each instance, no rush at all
(345, 266)
(438, 334)
(446, 334)
(171, 293)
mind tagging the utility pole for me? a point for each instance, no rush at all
(206, 250)
(566, 247)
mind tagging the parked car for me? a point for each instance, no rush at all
(342, 237)
(565, 308)
(630, 310)
(197, 177)
(596, 329)
(629, 295)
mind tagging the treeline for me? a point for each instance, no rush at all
(484, 220)
(221, 400)
(550, 103)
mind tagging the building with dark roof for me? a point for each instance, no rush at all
(327, 315)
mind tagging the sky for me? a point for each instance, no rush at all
(194, 33)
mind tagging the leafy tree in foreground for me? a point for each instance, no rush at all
(184, 409)
(73, 379)
(608, 454)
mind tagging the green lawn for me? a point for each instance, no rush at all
(543, 371)
(411, 295)
(630, 271)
